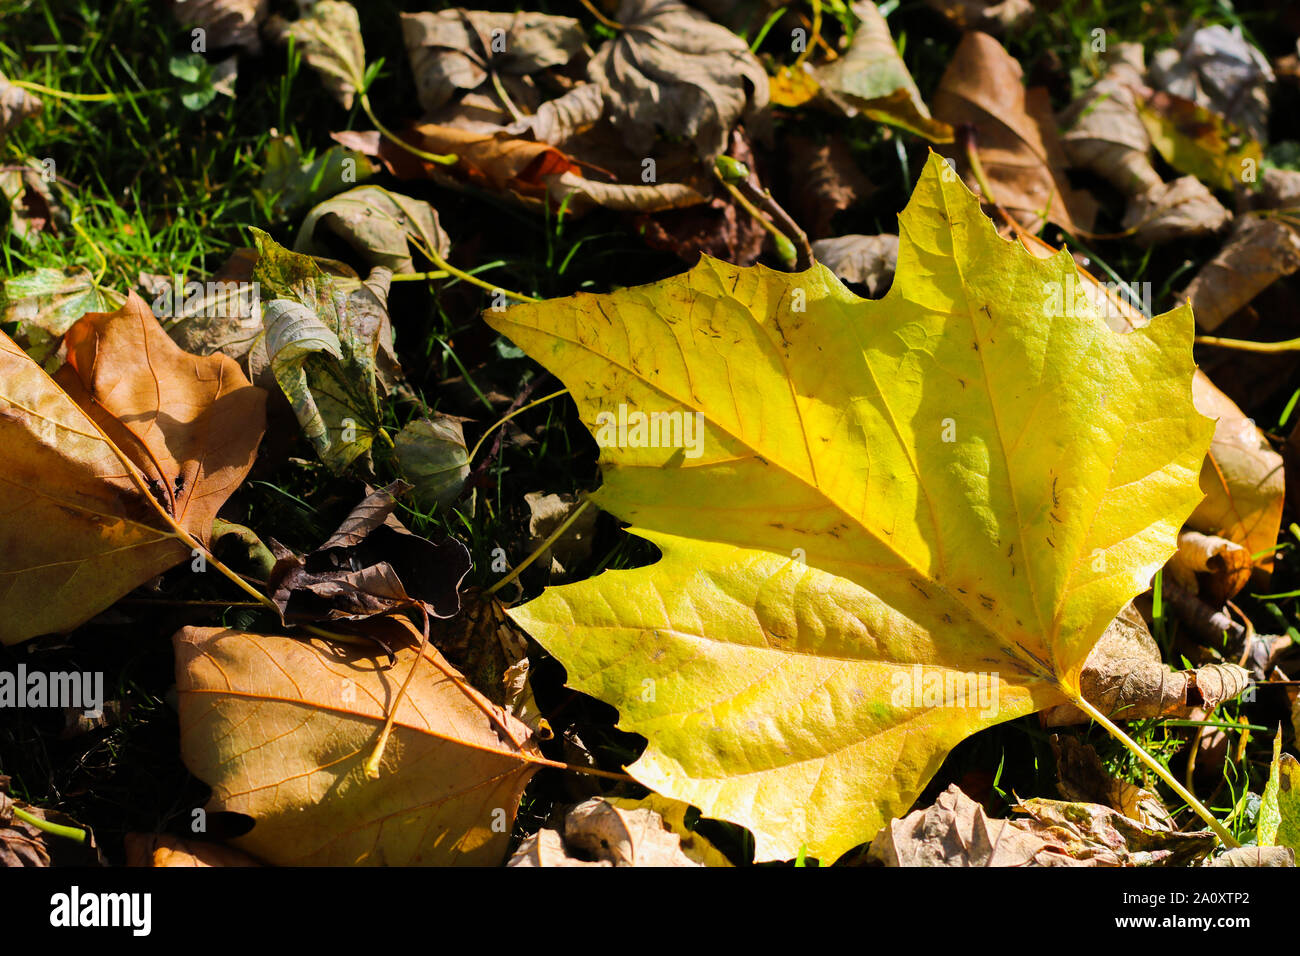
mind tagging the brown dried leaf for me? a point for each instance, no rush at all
(869, 260)
(825, 181)
(370, 566)
(1015, 136)
(457, 49)
(672, 68)
(1243, 478)
(1257, 253)
(1082, 779)
(1125, 678)
(1226, 564)
(227, 22)
(1182, 209)
(1103, 131)
(281, 728)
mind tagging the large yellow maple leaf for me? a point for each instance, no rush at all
(906, 519)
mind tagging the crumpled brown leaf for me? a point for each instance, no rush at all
(1103, 131)
(1082, 779)
(602, 832)
(1225, 564)
(672, 68)
(1182, 209)
(25, 845)
(955, 831)
(869, 260)
(1243, 478)
(227, 22)
(371, 565)
(1015, 136)
(825, 181)
(329, 36)
(1125, 678)
(1258, 253)
(460, 49)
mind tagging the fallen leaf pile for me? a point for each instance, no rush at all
(904, 501)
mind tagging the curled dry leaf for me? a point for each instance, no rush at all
(536, 173)
(1182, 209)
(1256, 856)
(548, 512)
(559, 120)
(280, 728)
(955, 831)
(672, 68)
(826, 181)
(380, 225)
(1082, 779)
(16, 105)
(226, 22)
(1243, 479)
(432, 456)
(329, 36)
(1015, 135)
(755, 612)
(328, 344)
(457, 49)
(868, 260)
(1125, 679)
(870, 78)
(1217, 68)
(1226, 564)
(1103, 131)
(1258, 253)
(188, 426)
(603, 832)
(371, 565)
(164, 850)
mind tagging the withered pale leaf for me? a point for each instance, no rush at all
(870, 78)
(380, 225)
(329, 36)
